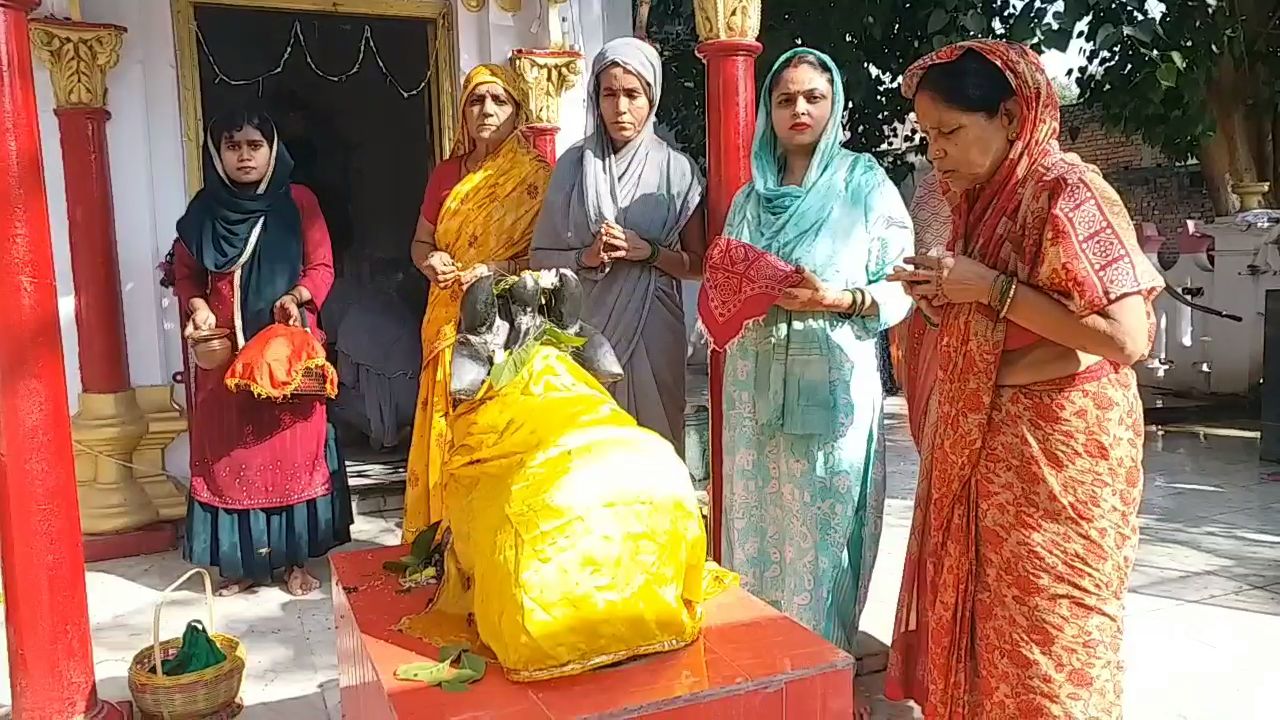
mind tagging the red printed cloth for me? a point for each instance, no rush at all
(740, 283)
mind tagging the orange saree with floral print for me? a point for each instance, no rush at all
(1026, 510)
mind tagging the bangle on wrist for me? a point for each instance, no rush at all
(859, 299)
(579, 259)
(655, 252)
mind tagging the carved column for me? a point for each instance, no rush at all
(546, 76)
(727, 30)
(110, 425)
(46, 609)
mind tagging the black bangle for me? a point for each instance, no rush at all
(577, 259)
(857, 304)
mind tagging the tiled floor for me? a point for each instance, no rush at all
(1203, 616)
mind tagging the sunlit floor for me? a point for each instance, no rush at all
(1203, 615)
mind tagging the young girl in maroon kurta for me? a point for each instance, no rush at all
(268, 489)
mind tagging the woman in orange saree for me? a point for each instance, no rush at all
(1031, 437)
(477, 218)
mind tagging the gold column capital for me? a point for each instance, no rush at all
(78, 55)
(511, 6)
(546, 75)
(727, 19)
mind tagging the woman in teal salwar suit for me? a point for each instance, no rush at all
(802, 401)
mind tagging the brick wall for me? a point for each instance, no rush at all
(1153, 188)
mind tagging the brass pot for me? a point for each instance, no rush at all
(212, 349)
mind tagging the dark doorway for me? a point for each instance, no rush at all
(363, 145)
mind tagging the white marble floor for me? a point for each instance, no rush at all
(1203, 616)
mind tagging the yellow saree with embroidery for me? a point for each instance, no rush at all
(487, 217)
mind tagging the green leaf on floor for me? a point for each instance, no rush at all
(456, 669)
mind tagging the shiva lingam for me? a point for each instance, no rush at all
(501, 315)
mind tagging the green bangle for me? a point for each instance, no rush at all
(654, 253)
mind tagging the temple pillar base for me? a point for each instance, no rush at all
(165, 422)
(106, 433)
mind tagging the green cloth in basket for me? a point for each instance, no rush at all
(197, 653)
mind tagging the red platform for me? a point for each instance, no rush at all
(751, 662)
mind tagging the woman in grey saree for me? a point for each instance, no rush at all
(624, 211)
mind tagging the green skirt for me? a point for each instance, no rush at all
(256, 544)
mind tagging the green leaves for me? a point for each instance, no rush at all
(938, 19)
(457, 668)
(1167, 74)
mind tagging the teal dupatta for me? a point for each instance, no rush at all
(804, 476)
(809, 226)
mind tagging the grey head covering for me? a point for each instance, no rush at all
(646, 186)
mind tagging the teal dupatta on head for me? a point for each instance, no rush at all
(822, 225)
(801, 397)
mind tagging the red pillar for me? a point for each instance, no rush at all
(543, 138)
(46, 610)
(95, 268)
(545, 75)
(731, 120)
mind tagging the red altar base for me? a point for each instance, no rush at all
(154, 538)
(751, 662)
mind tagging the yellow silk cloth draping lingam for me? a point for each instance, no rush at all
(577, 539)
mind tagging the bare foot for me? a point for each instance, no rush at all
(299, 582)
(233, 587)
(861, 708)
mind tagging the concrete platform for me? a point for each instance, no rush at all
(751, 662)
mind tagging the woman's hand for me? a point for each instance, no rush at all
(440, 269)
(474, 273)
(202, 318)
(610, 244)
(946, 279)
(286, 310)
(637, 248)
(923, 301)
(812, 296)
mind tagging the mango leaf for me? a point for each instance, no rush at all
(475, 664)
(1167, 75)
(453, 686)
(562, 339)
(431, 673)
(510, 367)
(420, 550)
(449, 652)
(398, 567)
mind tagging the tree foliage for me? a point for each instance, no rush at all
(1193, 78)
(872, 41)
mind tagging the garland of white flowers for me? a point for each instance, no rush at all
(296, 37)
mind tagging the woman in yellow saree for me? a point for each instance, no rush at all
(477, 219)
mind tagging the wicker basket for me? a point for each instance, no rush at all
(312, 382)
(192, 696)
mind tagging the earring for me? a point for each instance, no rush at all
(1013, 134)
